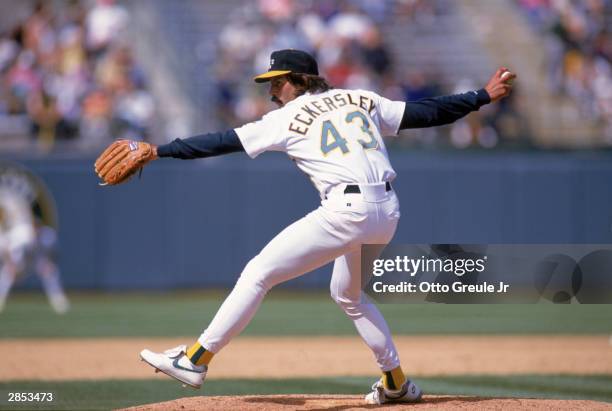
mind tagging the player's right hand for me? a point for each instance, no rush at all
(500, 85)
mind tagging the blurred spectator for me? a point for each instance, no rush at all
(9, 47)
(134, 110)
(580, 52)
(23, 79)
(106, 22)
(39, 34)
(374, 52)
(349, 23)
(46, 119)
(69, 71)
(277, 10)
(95, 120)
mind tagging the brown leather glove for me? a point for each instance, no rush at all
(122, 159)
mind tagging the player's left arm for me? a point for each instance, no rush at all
(438, 111)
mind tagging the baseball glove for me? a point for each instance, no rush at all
(122, 159)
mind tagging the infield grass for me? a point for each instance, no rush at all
(96, 395)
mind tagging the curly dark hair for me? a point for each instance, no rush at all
(308, 83)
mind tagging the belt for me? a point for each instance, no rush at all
(354, 188)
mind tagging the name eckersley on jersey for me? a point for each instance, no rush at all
(313, 109)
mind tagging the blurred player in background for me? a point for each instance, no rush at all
(26, 245)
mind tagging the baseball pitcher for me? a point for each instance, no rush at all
(335, 137)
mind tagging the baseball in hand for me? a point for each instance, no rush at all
(506, 74)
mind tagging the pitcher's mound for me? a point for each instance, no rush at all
(353, 402)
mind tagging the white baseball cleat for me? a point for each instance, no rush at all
(410, 392)
(59, 303)
(175, 363)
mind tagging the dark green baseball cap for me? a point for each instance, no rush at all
(289, 61)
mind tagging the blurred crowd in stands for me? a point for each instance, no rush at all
(579, 44)
(68, 74)
(347, 38)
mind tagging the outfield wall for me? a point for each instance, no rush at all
(196, 223)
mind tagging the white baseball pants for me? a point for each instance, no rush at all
(334, 231)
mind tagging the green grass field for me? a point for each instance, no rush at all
(286, 313)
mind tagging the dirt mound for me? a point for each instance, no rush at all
(353, 402)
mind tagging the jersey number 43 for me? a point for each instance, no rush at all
(331, 138)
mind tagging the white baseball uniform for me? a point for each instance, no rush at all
(335, 137)
(16, 225)
(21, 247)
